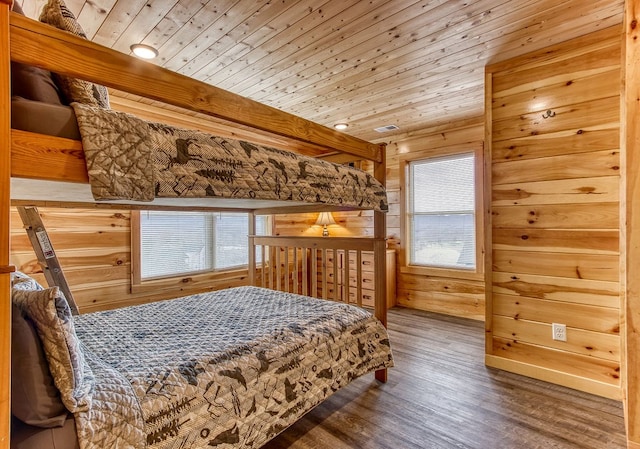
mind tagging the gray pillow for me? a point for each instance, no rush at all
(50, 312)
(33, 83)
(35, 400)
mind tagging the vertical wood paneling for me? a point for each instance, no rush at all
(553, 122)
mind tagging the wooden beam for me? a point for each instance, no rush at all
(43, 46)
(59, 159)
(63, 159)
(380, 255)
(300, 209)
(630, 216)
(353, 243)
(5, 229)
(192, 120)
(252, 249)
(488, 223)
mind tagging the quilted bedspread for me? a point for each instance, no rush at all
(225, 369)
(132, 159)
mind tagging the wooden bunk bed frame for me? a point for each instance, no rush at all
(24, 41)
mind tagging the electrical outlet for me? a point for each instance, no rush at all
(559, 331)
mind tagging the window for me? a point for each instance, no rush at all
(441, 212)
(178, 243)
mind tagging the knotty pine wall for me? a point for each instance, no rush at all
(94, 249)
(452, 294)
(456, 296)
(572, 178)
(348, 224)
(553, 125)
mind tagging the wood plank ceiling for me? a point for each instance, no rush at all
(413, 64)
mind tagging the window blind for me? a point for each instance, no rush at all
(176, 243)
(442, 212)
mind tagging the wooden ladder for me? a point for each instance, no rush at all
(44, 251)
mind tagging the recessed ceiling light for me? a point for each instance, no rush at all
(340, 126)
(144, 51)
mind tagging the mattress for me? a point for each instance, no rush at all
(133, 159)
(227, 369)
(44, 118)
(130, 160)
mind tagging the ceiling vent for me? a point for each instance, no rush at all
(386, 129)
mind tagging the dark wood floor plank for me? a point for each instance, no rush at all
(441, 396)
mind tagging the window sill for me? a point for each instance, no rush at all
(442, 272)
(189, 284)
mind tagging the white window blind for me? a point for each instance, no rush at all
(441, 218)
(176, 243)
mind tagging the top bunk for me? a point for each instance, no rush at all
(261, 159)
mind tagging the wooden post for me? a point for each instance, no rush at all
(380, 255)
(5, 227)
(336, 278)
(252, 249)
(296, 271)
(488, 237)
(325, 274)
(314, 272)
(630, 238)
(359, 278)
(345, 277)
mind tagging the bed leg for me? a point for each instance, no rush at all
(381, 375)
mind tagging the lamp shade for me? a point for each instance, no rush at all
(325, 218)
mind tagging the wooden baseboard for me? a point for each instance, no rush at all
(556, 377)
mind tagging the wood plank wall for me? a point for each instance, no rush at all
(94, 248)
(348, 224)
(457, 296)
(453, 296)
(553, 128)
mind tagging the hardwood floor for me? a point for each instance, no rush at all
(440, 395)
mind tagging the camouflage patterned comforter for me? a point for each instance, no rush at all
(129, 158)
(224, 369)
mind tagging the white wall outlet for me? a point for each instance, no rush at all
(559, 331)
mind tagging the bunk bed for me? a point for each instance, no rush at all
(60, 177)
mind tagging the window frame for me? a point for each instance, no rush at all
(195, 281)
(404, 162)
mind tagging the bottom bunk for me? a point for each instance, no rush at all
(231, 368)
